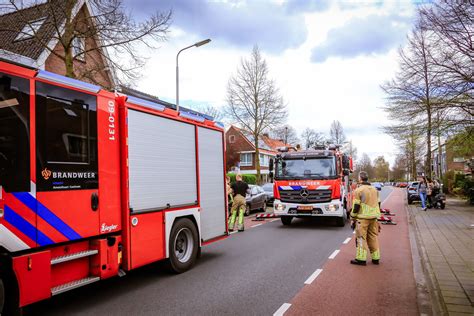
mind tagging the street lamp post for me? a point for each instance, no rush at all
(204, 42)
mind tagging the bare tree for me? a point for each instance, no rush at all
(336, 133)
(399, 169)
(381, 168)
(364, 164)
(312, 138)
(286, 134)
(416, 93)
(452, 25)
(253, 100)
(103, 31)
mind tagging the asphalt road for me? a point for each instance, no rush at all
(250, 273)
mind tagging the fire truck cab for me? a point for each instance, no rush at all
(312, 183)
(94, 184)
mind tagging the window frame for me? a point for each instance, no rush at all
(78, 51)
(246, 163)
(231, 139)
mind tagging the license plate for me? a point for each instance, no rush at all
(305, 208)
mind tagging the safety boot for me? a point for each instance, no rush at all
(358, 262)
(375, 261)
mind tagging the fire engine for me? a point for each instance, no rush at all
(94, 184)
(312, 183)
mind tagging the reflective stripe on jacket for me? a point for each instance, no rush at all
(366, 196)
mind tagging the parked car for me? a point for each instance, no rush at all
(256, 200)
(377, 185)
(412, 192)
(268, 188)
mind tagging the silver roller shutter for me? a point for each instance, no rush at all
(211, 174)
(162, 162)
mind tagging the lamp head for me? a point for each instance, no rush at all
(204, 42)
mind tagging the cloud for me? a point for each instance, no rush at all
(274, 27)
(374, 34)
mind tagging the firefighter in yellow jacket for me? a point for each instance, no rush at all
(365, 212)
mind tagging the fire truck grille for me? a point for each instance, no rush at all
(308, 197)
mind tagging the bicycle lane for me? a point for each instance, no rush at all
(339, 288)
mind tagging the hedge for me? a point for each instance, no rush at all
(247, 178)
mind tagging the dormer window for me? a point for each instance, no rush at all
(30, 29)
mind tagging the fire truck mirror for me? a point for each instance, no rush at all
(270, 174)
(270, 166)
(346, 162)
(346, 172)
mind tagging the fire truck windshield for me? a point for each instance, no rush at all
(312, 168)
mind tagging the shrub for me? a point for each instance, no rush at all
(247, 178)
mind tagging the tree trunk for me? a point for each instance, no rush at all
(257, 159)
(428, 140)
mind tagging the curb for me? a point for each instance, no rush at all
(428, 296)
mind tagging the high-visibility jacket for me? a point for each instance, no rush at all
(366, 202)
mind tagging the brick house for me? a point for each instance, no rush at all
(30, 37)
(447, 160)
(240, 152)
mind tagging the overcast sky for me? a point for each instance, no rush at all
(327, 58)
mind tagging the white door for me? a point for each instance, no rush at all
(211, 183)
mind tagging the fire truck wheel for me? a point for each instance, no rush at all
(286, 220)
(9, 305)
(2, 296)
(183, 245)
(341, 221)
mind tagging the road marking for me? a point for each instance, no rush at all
(274, 220)
(334, 254)
(345, 242)
(313, 276)
(393, 190)
(283, 308)
(256, 225)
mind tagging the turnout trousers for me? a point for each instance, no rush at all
(367, 231)
(239, 205)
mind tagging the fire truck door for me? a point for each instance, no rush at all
(211, 183)
(67, 166)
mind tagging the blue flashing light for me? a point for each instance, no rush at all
(74, 83)
(146, 103)
(191, 116)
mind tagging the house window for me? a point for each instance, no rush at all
(264, 159)
(231, 139)
(245, 160)
(78, 48)
(30, 29)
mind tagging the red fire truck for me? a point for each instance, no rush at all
(94, 184)
(311, 183)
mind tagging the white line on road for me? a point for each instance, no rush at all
(334, 254)
(274, 220)
(393, 190)
(256, 225)
(313, 276)
(345, 242)
(283, 308)
(234, 232)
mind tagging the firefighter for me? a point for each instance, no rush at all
(239, 189)
(365, 212)
(230, 197)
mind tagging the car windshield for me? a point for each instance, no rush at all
(314, 168)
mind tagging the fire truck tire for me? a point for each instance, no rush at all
(9, 305)
(2, 296)
(341, 221)
(183, 245)
(286, 220)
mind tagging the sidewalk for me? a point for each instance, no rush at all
(385, 289)
(446, 242)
